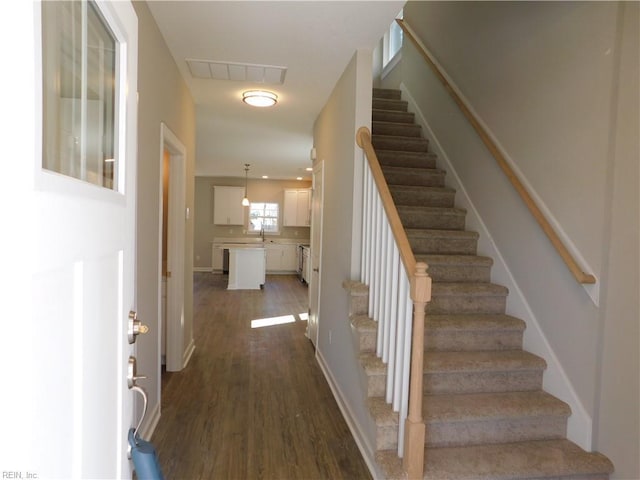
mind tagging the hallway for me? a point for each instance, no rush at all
(252, 403)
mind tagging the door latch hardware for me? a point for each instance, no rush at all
(132, 372)
(135, 327)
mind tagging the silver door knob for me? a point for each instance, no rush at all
(135, 327)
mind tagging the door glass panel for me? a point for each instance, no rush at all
(79, 92)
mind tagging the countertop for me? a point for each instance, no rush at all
(257, 241)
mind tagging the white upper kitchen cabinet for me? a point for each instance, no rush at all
(227, 205)
(297, 204)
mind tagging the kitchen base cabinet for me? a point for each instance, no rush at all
(281, 258)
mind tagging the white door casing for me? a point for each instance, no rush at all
(177, 350)
(316, 251)
(76, 245)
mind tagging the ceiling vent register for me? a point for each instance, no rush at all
(240, 72)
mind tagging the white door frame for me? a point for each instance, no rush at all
(176, 353)
(317, 202)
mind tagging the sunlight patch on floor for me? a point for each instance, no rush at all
(268, 322)
(303, 316)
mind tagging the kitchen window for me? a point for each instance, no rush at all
(263, 216)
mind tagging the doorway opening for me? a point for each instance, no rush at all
(171, 262)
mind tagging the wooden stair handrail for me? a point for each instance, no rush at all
(363, 139)
(572, 264)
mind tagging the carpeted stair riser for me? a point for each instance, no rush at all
(457, 268)
(453, 332)
(469, 333)
(406, 144)
(393, 158)
(534, 460)
(392, 116)
(478, 372)
(389, 104)
(427, 177)
(431, 218)
(366, 331)
(474, 419)
(422, 196)
(395, 128)
(467, 298)
(505, 371)
(387, 93)
(451, 242)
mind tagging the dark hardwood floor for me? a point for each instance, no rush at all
(252, 403)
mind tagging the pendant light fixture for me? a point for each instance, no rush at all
(245, 200)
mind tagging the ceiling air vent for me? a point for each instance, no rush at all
(241, 72)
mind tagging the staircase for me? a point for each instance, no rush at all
(486, 414)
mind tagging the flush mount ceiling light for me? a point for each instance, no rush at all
(259, 98)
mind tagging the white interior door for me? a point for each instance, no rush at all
(316, 251)
(76, 190)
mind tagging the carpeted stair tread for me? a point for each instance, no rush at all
(395, 128)
(415, 195)
(371, 364)
(556, 459)
(399, 158)
(445, 218)
(474, 361)
(476, 406)
(423, 177)
(382, 412)
(488, 406)
(442, 241)
(364, 323)
(397, 142)
(471, 332)
(390, 104)
(464, 260)
(461, 323)
(457, 268)
(468, 289)
(383, 115)
(365, 330)
(387, 93)
(499, 417)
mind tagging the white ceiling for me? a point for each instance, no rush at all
(314, 40)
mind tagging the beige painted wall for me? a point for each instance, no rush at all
(258, 191)
(617, 419)
(556, 84)
(348, 108)
(163, 97)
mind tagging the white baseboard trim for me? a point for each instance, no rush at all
(556, 381)
(202, 269)
(354, 426)
(151, 422)
(188, 352)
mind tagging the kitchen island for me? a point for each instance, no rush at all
(246, 267)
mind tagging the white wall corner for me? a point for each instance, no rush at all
(555, 379)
